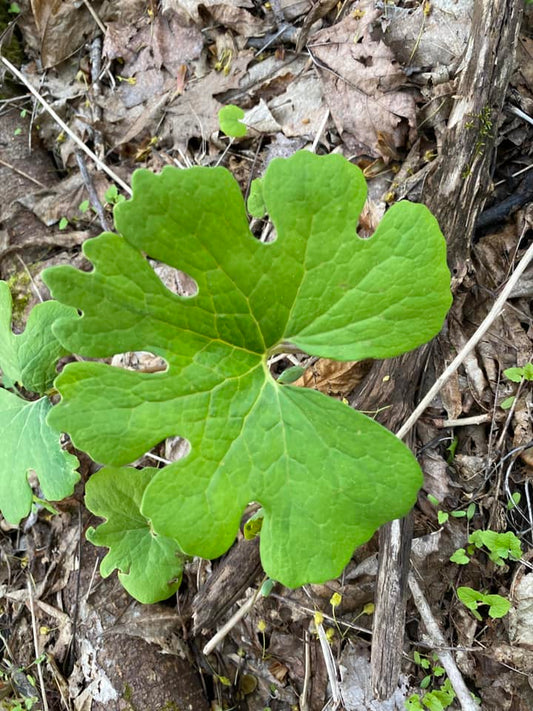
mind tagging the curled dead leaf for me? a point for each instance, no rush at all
(334, 377)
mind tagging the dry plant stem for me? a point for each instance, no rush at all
(304, 705)
(32, 280)
(93, 195)
(64, 126)
(24, 175)
(95, 16)
(96, 65)
(36, 645)
(465, 421)
(454, 675)
(493, 314)
(330, 663)
(230, 624)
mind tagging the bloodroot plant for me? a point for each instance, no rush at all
(325, 475)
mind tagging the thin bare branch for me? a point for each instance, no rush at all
(493, 314)
(64, 126)
(454, 675)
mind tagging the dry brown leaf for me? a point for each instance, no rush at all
(428, 40)
(153, 56)
(292, 9)
(301, 108)
(63, 27)
(334, 377)
(238, 19)
(451, 396)
(362, 85)
(521, 616)
(190, 8)
(195, 112)
(260, 119)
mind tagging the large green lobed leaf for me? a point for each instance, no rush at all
(326, 476)
(149, 565)
(30, 358)
(28, 442)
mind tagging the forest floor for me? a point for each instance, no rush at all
(141, 84)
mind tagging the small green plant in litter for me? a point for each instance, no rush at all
(443, 516)
(517, 375)
(230, 121)
(429, 665)
(514, 500)
(112, 196)
(501, 547)
(498, 606)
(434, 700)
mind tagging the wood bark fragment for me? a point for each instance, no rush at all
(233, 576)
(455, 191)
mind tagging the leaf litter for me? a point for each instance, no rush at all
(491, 459)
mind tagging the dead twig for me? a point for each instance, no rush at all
(36, 645)
(230, 624)
(437, 639)
(64, 126)
(493, 314)
(24, 175)
(93, 195)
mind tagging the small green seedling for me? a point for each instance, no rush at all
(230, 121)
(112, 196)
(460, 557)
(443, 516)
(434, 700)
(63, 223)
(517, 375)
(84, 206)
(508, 402)
(501, 547)
(428, 665)
(514, 500)
(498, 606)
(14, 8)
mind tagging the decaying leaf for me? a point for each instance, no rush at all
(428, 39)
(334, 377)
(63, 26)
(362, 84)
